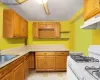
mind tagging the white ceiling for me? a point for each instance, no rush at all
(60, 10)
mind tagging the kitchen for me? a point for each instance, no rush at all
(53, 45)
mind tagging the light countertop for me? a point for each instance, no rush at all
(30, 48)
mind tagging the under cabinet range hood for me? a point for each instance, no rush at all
(93, 23)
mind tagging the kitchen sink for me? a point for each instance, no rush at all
(5, 58)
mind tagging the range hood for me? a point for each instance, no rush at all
(93, 23)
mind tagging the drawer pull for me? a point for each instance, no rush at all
(62, 53)
(45, 53)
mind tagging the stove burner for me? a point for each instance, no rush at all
(79, 58)
(95, 72)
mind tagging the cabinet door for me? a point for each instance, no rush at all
(16, 25)
(40, 63)
(88, 7)
(8, 29)
(31, 60)
(18, 72)
(35, 30)
(50, 24)
(50, 63)
(42, 25)
(57, 30)
(61, 62)
(26, 67)
(91, 8)
(24, 29)
(8, 76)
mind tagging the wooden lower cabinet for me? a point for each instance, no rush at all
(31, 60)
(26, 67)
(61, 63)
(56, 61)
(18, 72)
(7, 77)
(50, 63)
(40, 63)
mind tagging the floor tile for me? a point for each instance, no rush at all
(47, 76)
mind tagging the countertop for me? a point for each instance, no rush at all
(30, 48)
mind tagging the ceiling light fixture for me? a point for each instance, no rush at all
(41, 1)
(45, 5)
(21, 1)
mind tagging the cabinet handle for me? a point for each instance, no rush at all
(62, 53)
(45, 53)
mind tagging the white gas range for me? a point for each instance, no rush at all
(84, 68)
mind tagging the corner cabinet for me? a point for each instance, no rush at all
(91, 8)
(14, 26)
(46, 30)
(51, 61)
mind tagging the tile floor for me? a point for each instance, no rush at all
(47, 76)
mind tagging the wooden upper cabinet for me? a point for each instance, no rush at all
(16, 24)
(24, 28)
(35, 30)
(8, 29)
(13, 26)
(57, 30)
(46, 30)
(41, 25)
(91, 8)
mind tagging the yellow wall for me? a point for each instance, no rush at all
(83, 38)
(65, 26)
(5, 42)
(96, 37)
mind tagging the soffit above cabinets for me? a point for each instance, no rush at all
(60, 10)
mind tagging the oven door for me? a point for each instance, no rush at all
(70, 74)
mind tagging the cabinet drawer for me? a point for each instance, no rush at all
(44, 53)
(62, 53)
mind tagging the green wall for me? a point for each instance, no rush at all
(6, 43)
(83, 38)
(65, 26)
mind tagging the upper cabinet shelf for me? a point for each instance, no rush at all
(14, 26)
(65, 32)
(91, 8)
